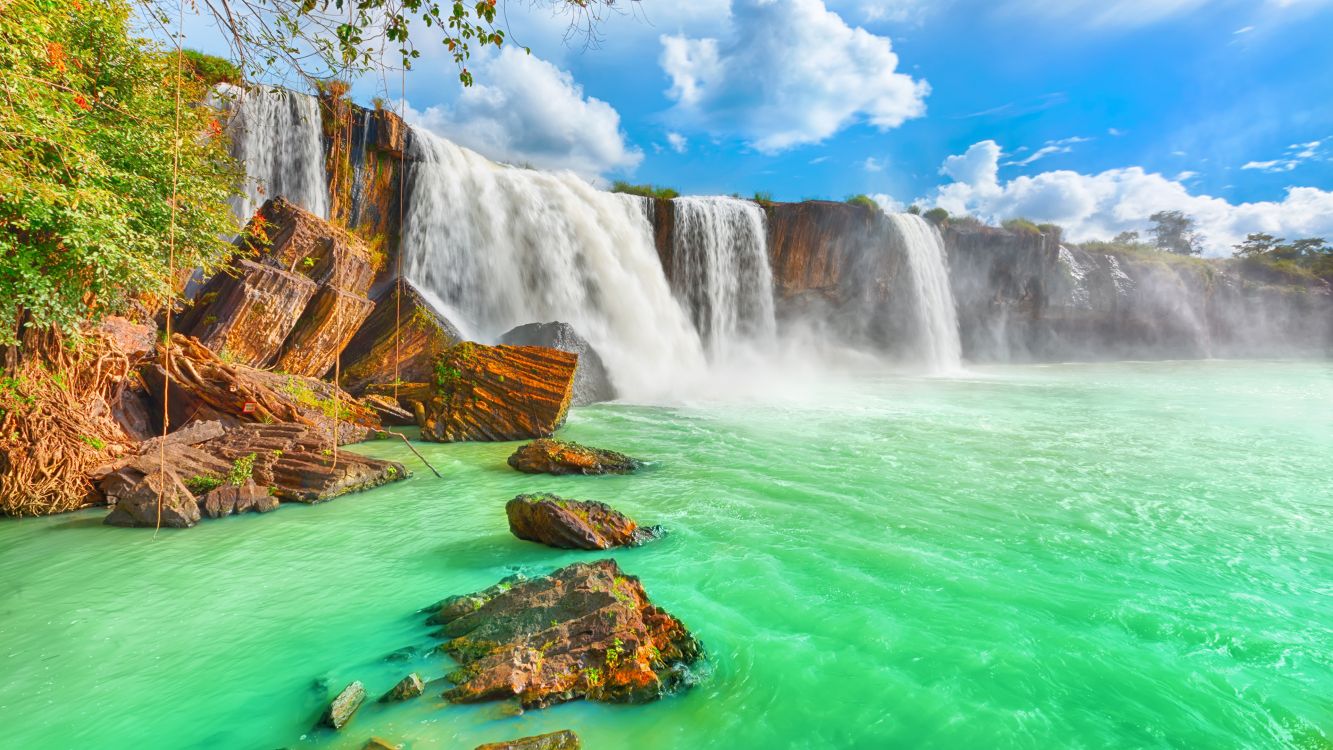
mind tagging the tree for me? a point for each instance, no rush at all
(937, 215)
(1174, 232)
(326, 39)
(95, 190)
(1256, 244)
(914, 209)
(1126, 238)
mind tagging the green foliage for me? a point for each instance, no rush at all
(303, 394)
(1174, 233)
(212, 70)
(647, 191)
(863, 200)
(242, 471)
(86, 166)
(1275, 260)
(936, 215)
(914, 209)
(763, 196)
(1021, 226)
(203, 484)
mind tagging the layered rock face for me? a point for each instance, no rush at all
(585, 631)
(423, 333)
(494, 393)
(592, 383)
(296, 305)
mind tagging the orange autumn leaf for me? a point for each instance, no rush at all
(55, 56)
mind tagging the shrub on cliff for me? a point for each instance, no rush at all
(646, 191)
(87, 166)
(863, 200)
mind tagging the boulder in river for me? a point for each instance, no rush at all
(495, 393)
(344, 706)
(560, 457)
(136, 500)
(247, 497)
(573, 524)
(407, 688)
(592, 384)
(562, 740)
(584, 631)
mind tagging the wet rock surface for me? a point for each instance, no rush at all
(136, 501)
(561, 457)
(407, 688)
(592, 383)
(584, 631)
(562, 740)
(496, 393)
(343, 707)
(573, 524)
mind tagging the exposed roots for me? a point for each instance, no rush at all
(56, 422)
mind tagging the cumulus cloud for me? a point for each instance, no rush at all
(677, 142)
(1099, 206)
(788, 73)
(525, 110)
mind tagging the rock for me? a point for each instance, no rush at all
(294, 460)
(498, 393)
(287, 236)
(203, 388)
(409, 687)
(572, 524)
(390, 410)
(324, 330)
(229, 498)
(584, 631)
(134, 339)
(193, 434)
(375, 743)
(404, 654)
(560, 457)
(592, 384)
(245, 314)
(136, 502)
(562, 740)
(423, 333)
(345, 705)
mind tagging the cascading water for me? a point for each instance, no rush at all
(276, 135)
(720, 270)
(938, 342)
(501, 246)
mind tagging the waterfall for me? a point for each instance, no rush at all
(276, 135)
(501, 246)
(938, 341)
(720, 270)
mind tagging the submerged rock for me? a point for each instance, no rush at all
(342, 708)
(377, 743)
(407, 688)
(494, 393)
(573, 524)
(584, 631)
(592, 384)
(562, 740)
(560, 457)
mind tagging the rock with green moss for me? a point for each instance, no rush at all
(562, 740)
(560, 457)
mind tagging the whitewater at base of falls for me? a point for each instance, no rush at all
(501, 246)
(939, 345)
(720, 271)
(277, 137)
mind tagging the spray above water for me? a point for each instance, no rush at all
(501, 246)
(276, 135)
(720, 271)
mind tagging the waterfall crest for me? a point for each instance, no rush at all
(502, 246)
(720, 270)
(277, 137)
(938, 341)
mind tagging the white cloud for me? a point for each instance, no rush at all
(1062, 146)
(888, 203)
(677, 142)
(1115, 132)
(1185, 175)
(871, 164)
(1099, 206)
(1243, 30)
(1295, 155)
(525, 110)
(788, 73)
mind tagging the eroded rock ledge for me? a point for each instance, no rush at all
(584, 631)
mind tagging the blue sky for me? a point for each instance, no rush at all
(1091, 113)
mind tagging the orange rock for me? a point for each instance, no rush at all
(559, 457)
(498, 393)
(573, 524)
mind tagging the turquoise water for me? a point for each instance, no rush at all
(1130, 555)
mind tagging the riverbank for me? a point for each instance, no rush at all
(1047, 555)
